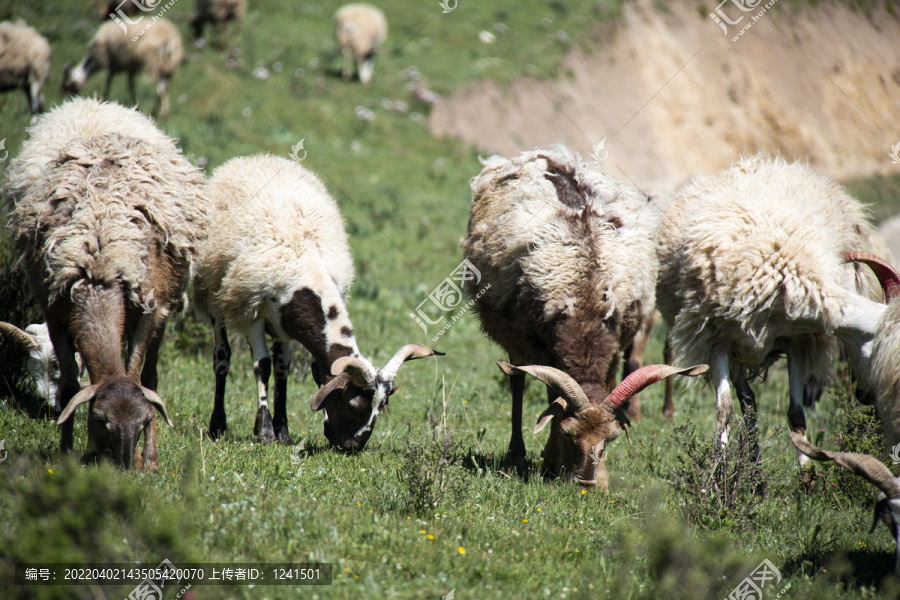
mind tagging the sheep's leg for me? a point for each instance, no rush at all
(149, 374)
(669, 405)
(366, 67)
(262, 368)
(131, 89)
(64, 348)
(149, 327)
(516, 453)
(633, 359)
(162, 99)
(718, 370)
(348, 64)
(221, 365)
(33, 92)
(747, 399)
(796, 381)
(108, 86)
(281, 354)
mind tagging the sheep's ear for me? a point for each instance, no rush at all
(338, 383)
(154, 399)
(557, 407)
(77, 400)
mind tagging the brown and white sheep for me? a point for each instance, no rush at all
(278, 262)
(154, 48)
(753, 267)
(107, 216)
(569, 254)
(360, 29)
(24, 61)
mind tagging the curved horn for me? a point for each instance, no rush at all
(338, 383)
(77, 400)
(154, 399)
(22, 337)
(887, 276)
(867, 467)
(646, 376)
(562, 383)
(361, 373)
(407, 352)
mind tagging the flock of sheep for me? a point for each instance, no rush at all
(762, 260)
(134, 46)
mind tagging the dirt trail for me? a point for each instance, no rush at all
(820, 83)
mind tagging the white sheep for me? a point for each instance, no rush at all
(278, 261)
(360, 29)
(570, 257)
(107, 216)
(220, 13)
(151, 47)
(24, 61)
(753, 267)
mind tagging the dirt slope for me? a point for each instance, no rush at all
(820, 83)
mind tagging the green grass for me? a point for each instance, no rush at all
(405, 197)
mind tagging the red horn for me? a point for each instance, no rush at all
(887, 276)
(644, 377)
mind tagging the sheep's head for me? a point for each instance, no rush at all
(41, 363)
(356, 395)
(119, 411)
(585, 419)
(75, 76)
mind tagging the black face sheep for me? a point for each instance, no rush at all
(131, 48)
(24, 61)
(360, 29)
(277, 261)
(569, 254)
(107, 214)
(753, 266)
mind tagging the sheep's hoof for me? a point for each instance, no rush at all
(669, 413)
(515, 458)
(263, 428)
(633, 409)
(282, 434)
(216, 428)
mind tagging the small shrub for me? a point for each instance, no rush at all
(719, 486)
(859, 430)
(432, 472)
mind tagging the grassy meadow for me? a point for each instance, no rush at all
(390, 527)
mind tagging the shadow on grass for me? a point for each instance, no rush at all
(479, 462)
(854, 569)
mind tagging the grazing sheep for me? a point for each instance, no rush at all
(41, 363)
(278, 261)
(569, 254)
(360, 29)
(152, 47)
(887, 506)
(107, 215)
(24, 61)
(219, 13)
(752, 267)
